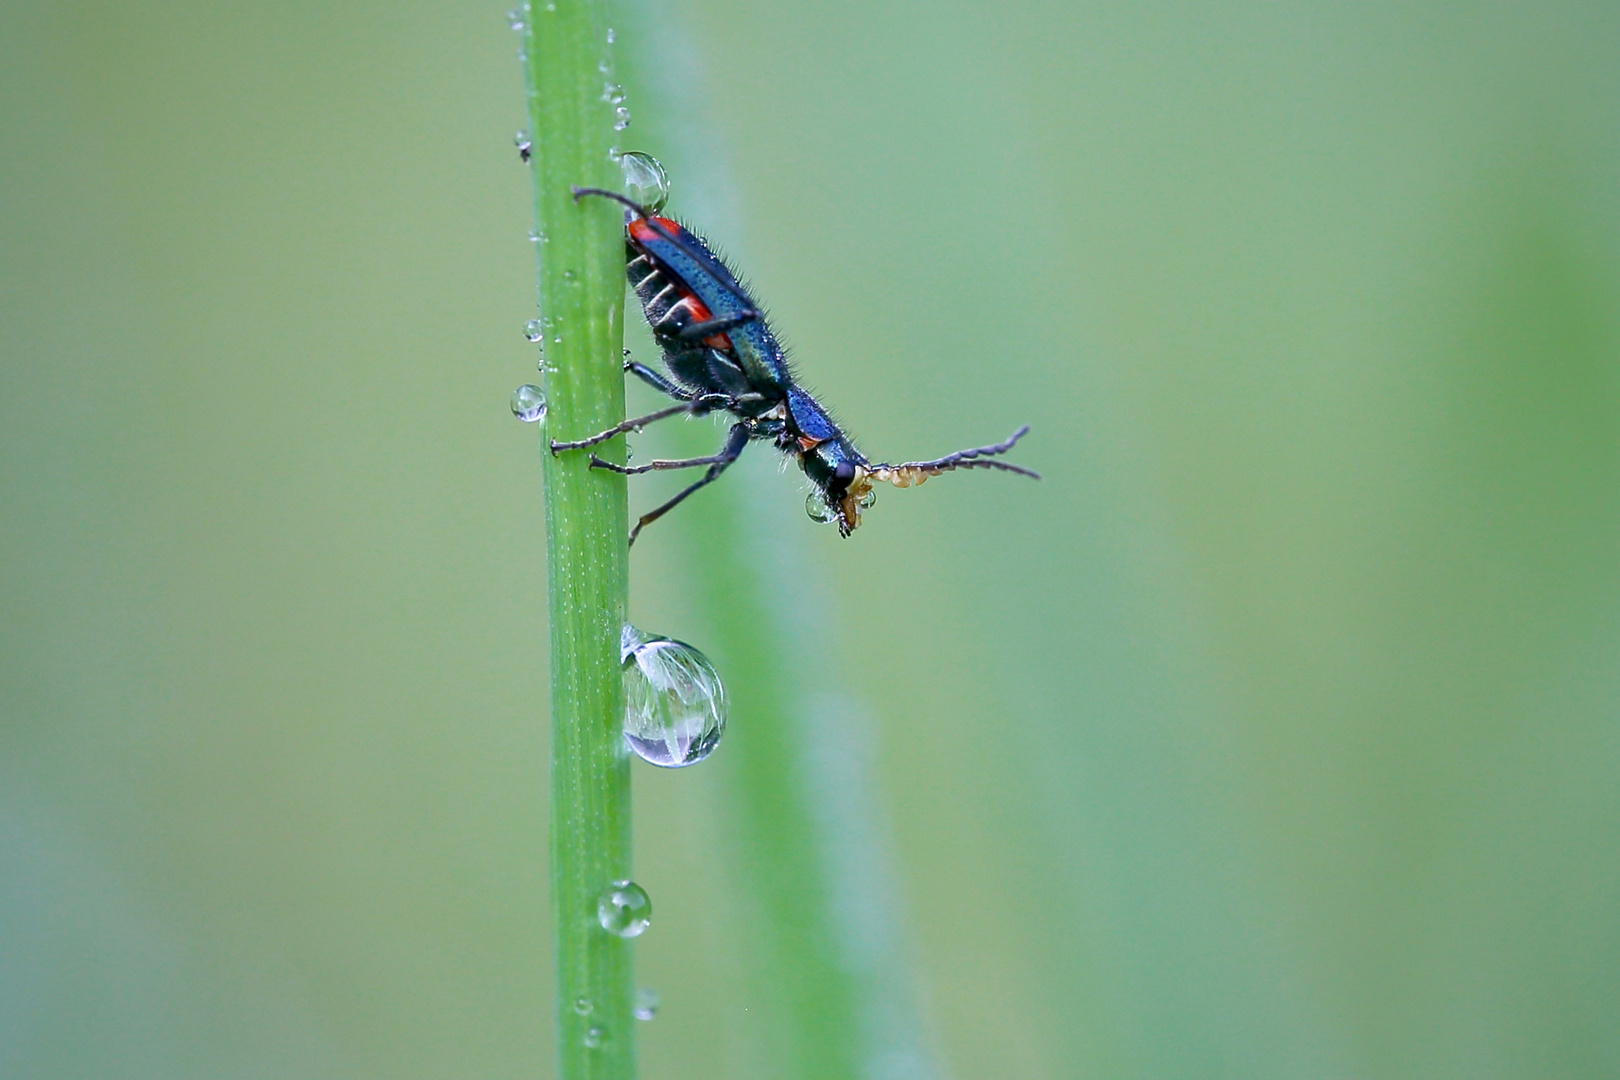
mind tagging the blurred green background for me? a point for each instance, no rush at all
(1273, 735)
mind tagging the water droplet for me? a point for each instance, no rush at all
(674, 702)
(623, 120)
(610, 35)
(525, 148)
(551, 7)
(529, 403)
(594, 1036)
(817, 508)
(612, 93)
(604, 67)
(624, 909)
(646, 1003)
(869, 500)
(568, 275)
(582, 1006)
(523, 57)
(534, 330)
(514, 18)
(645, 179)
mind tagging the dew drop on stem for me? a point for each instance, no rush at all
(645, 180)
(529, 403)
(624, 909)
(674, 701)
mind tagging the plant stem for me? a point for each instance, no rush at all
(581, 298)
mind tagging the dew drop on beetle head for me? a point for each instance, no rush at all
(624, 909)
(645, 180)
(817, 507)
(674, 701)
(529, 403)
(869, 500)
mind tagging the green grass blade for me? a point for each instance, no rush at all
(581, 297)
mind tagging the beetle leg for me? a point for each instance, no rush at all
(710, 327)
(633, 424)
(740, 434)
(655, 379)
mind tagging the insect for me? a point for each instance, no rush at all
(722, 357)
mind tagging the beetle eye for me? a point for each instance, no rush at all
(844, 473)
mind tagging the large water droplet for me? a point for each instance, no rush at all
(644, 179)
(624, 909)
(818, 509)
(674, 702)
(529, 403)
(534, 330)
(594, 1037)
(646, 1003)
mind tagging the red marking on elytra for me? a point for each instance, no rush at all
(643, 233)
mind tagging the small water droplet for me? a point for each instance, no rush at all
(529, 403)
(818, 509)
(674, 701)
(582, 1006)
(610, 35)
(534, 330)
(646, 1003)
(535, 236)
(514, 18)
(869, 500)
(523, 57)
(551, 7)
(612, 93)
(568, 275)
(594, 1036)
(623, 120)
(525, 148)
(645, 179)
(624, 909)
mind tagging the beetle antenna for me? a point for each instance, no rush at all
(908, 473)
(656, 226)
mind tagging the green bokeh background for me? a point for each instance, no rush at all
(1275, 734)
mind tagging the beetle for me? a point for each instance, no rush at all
(722, 357)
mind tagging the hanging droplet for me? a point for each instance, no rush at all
(610, 35)
(818, 509)
(674, 701)
(525, 148)
(644, 179)
(869, 500)
(534, 330)
(646, 1003)
(514, 18)
(624, 909)
(593, 1037)
(529, 403)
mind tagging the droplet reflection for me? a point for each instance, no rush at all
(624, 909)
(529, 403)
(674, 701)
(645, 179)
